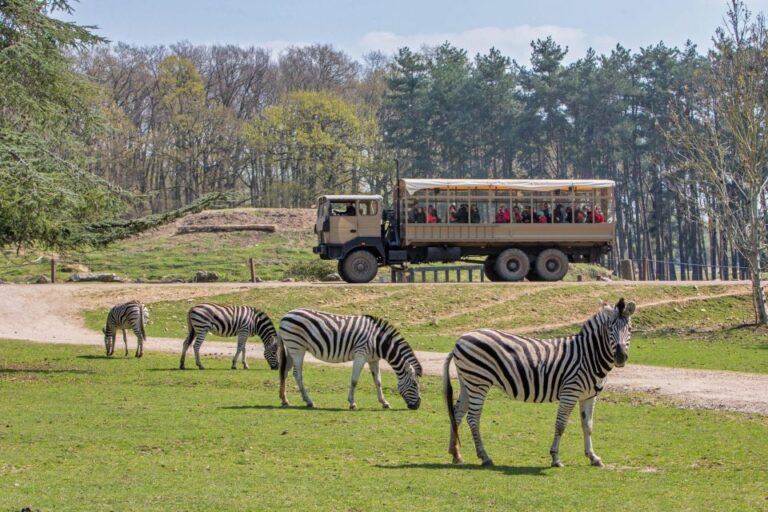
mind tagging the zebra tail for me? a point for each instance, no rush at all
(282, 358)
(448, 391)
(141, 322)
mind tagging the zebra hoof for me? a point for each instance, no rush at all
(234, 367)
(284, 405)
(557, 464)
(245, 366)
(352, 407)
(311, 405)
(385, 405)
(487, 462)
(598, 463)
(457, 459)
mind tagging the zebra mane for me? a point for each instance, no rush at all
(384, 325)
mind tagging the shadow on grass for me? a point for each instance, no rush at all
(314, 409)
(43, 370)
(91, 356)
(507, 470)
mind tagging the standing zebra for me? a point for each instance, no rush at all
(336, 339)
(133, 315)
(571, 369)
(240, 321)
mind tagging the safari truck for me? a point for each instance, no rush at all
(520, 228)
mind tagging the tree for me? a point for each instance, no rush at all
(722, 140)
(46, 119)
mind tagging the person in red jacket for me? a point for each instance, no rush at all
(598, 215)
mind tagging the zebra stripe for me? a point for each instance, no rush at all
(240, 321)
(572, 369)
(337, 338)
(131, 315)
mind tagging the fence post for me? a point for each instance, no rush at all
(252, 266)
(53, 270)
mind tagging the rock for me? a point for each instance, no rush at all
(333, 276)
(77, 268)
(41, 280)
(603, 278)
(287, 280)
(104, 278)
(434, 322)
(203, 276)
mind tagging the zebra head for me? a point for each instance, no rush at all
(270, 351)
(109, 341)
(408, 386)
(620, 331)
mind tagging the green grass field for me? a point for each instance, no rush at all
(696, 334)
(81, 432)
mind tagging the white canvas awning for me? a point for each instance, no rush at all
(352, 197)
(414, 185)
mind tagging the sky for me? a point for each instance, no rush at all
(361, 26)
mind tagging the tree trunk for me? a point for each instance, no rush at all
(758, 294)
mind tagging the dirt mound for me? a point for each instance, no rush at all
(285, 219)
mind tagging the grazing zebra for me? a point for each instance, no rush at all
(133, 315)
(336, 339)
(240, 321)
(571, 369)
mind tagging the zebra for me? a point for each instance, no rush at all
(338, 338)
(133, 315)
(571, 369)
(240, 321)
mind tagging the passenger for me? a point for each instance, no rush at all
(500, 215)
(474, 214)
(452, 213)
(559, 214)
(421, 217)
(462, 216)
(432, 217)
(541, 217)
(588, 214)
(350, 211)
(412, 215)
(547, 214)
(516, 214)
(599, 217)
(507, 216)
(580, 217)
(569, 215)
(526, 215)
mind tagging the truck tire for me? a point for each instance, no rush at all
(490, 271)
(512, 265)
(551, 264)
(358, 267)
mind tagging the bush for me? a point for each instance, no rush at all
(310, 270)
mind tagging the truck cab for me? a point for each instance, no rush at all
(349, 229)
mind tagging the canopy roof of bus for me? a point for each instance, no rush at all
(414, 185)
(352, 197)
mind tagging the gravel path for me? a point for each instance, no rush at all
(50, 314)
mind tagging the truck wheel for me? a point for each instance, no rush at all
(512, 265)
(358, 267)
(551, 264)
(490, 271)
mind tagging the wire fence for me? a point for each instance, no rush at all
(649, 269)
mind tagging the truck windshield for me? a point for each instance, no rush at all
(343, 208)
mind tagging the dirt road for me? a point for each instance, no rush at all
(51, 314)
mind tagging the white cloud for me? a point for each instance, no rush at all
(513, 42)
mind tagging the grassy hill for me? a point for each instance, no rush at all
(162, 254)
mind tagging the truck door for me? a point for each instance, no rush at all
(343, 221)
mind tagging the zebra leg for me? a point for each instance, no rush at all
(125, 342)
(298, 362)
(567, 403)
(586, 407)
(475, 403)
(241, 338)
(199, 339)
(374, 366)
(185, 347)
(357, 367)
(459, 410)
(139, 343)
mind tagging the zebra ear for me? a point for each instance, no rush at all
(104, 330)
(630, 309)
(620, 306)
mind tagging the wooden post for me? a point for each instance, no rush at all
(434, 275)
(252, 266)
(447, 279)
(53, 270)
